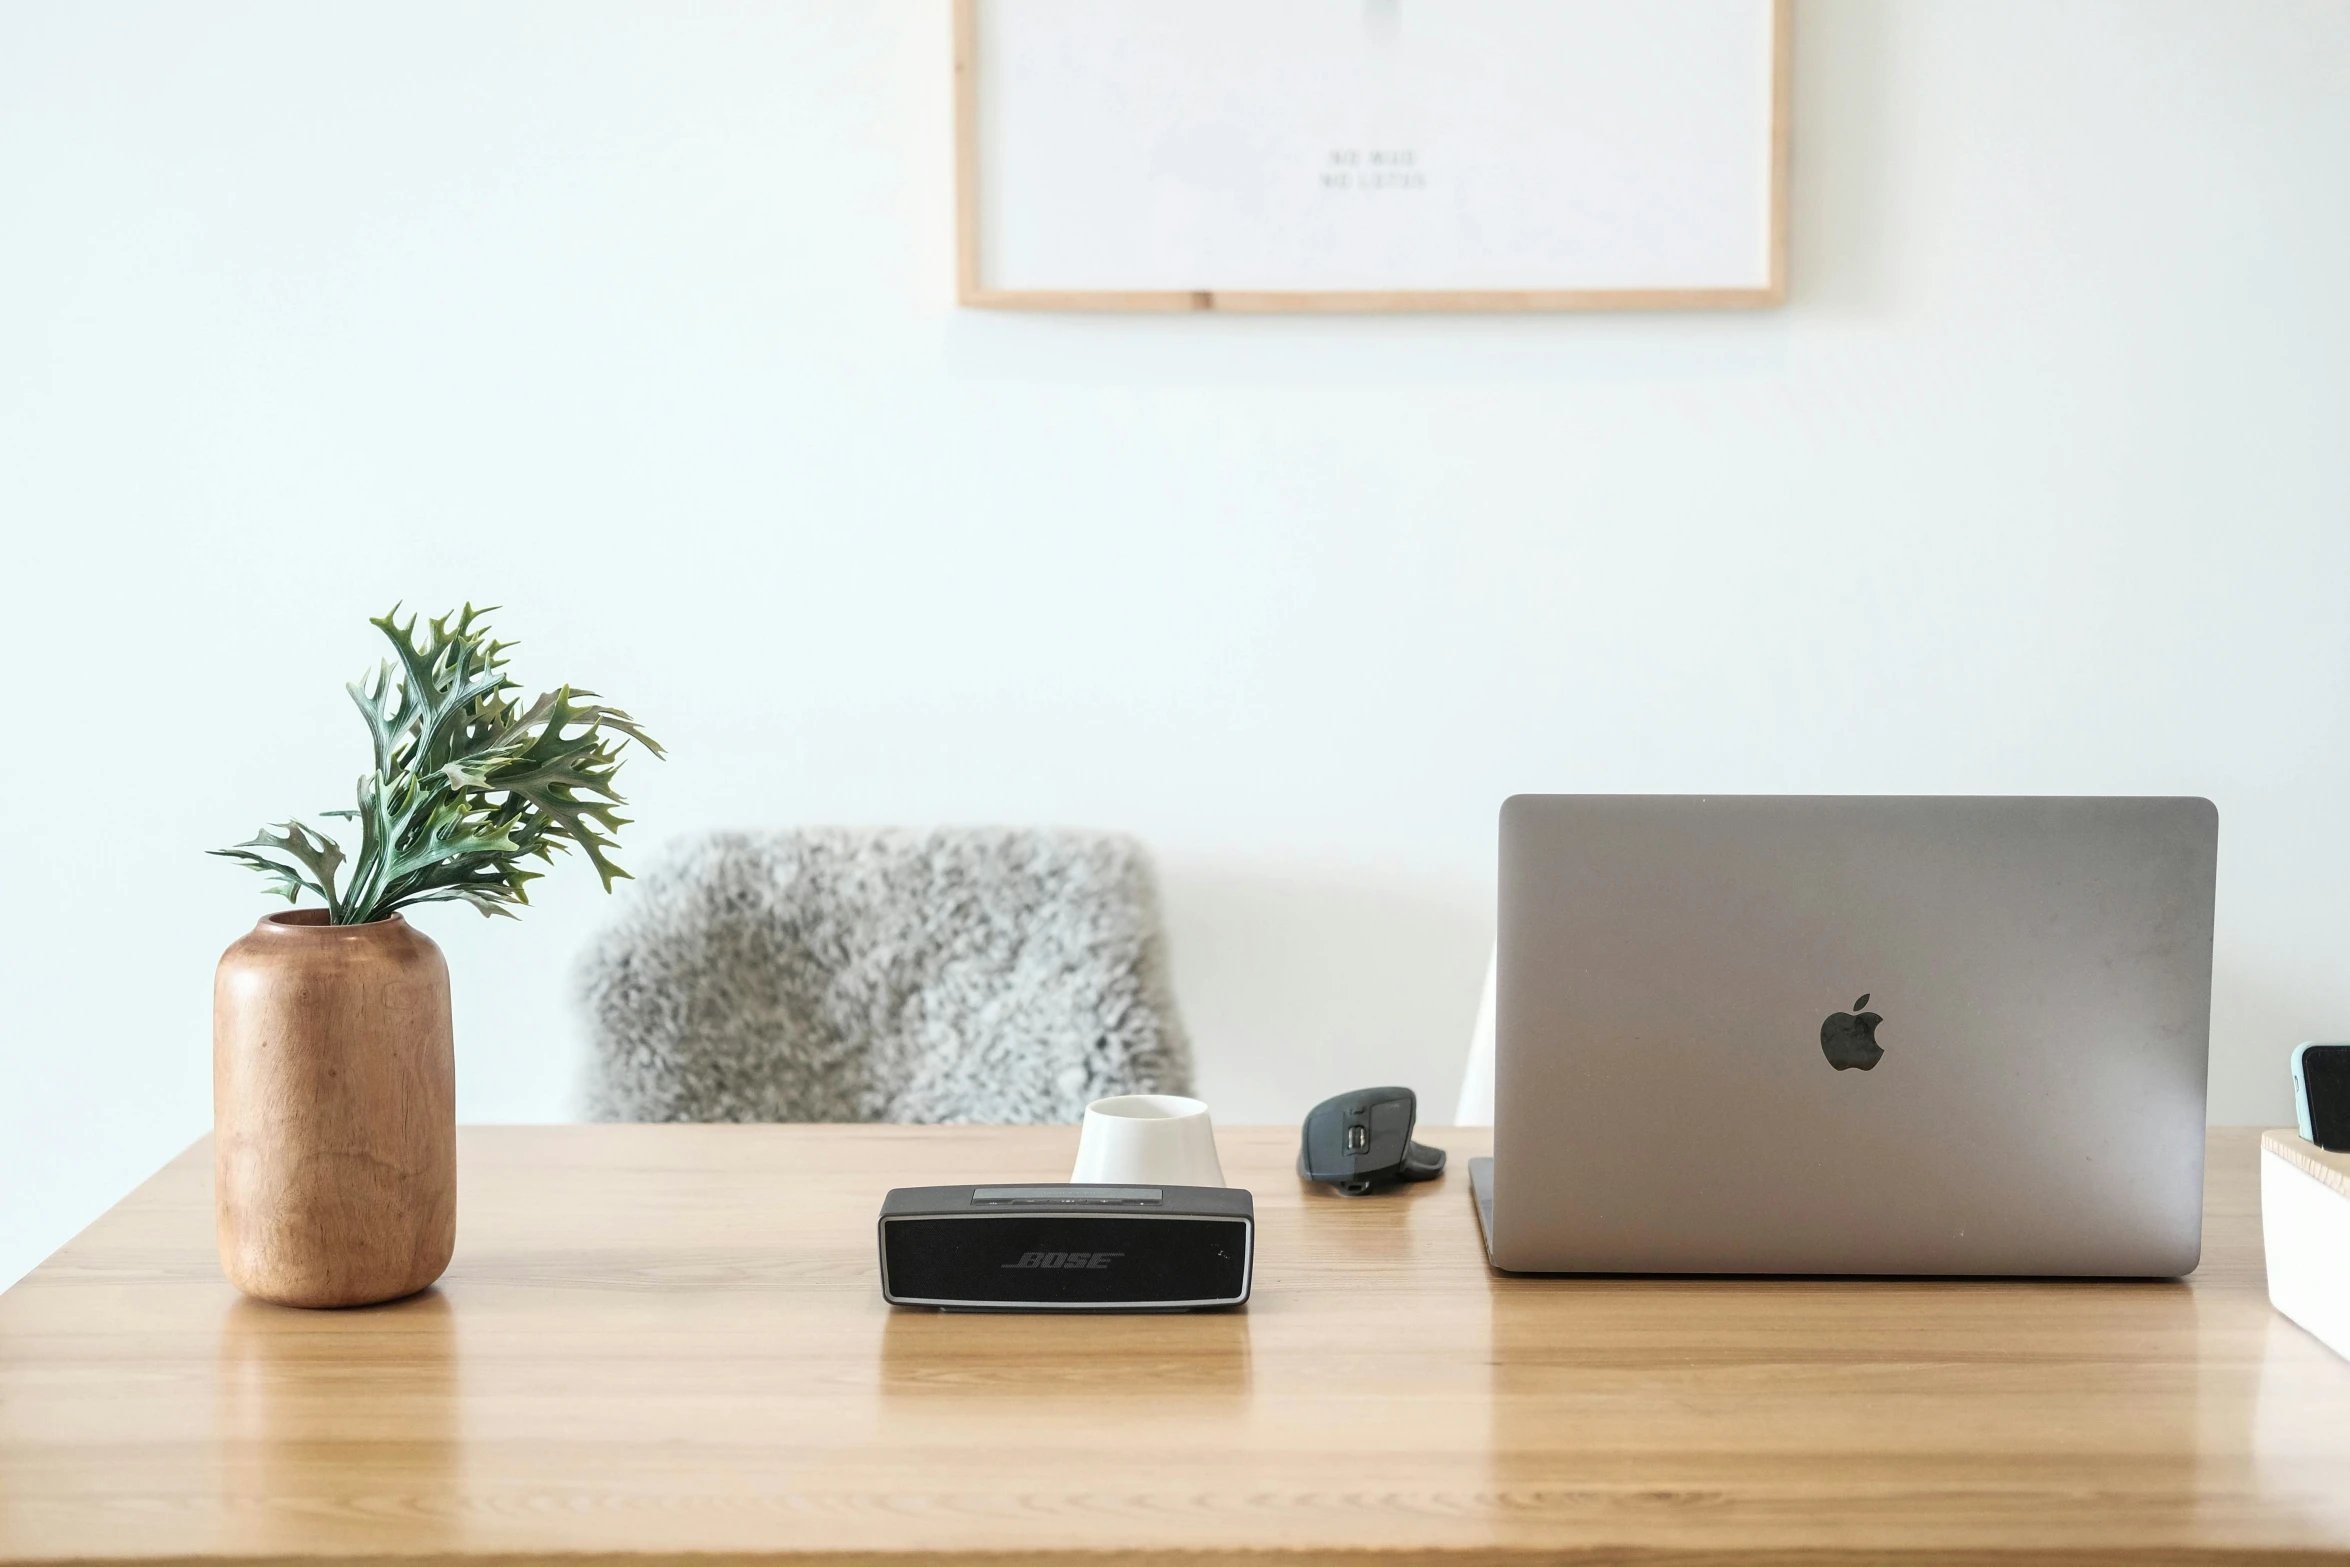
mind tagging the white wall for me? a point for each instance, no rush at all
(635, 319)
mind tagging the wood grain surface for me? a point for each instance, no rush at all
(668, 1340)
(2333, 1169)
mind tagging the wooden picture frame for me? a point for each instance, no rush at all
(975, 288)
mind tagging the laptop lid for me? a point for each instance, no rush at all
(1817, 1034)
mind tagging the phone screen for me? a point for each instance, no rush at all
(2325, 1091)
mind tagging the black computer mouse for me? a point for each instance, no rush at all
(1362, 1142)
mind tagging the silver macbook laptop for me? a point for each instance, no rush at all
(1849, 1035)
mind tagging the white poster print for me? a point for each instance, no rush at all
(1306, 145)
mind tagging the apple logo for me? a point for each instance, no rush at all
(1849, 1041)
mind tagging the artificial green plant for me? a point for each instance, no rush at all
(468, 783)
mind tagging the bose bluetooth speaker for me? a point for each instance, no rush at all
(1067, 1248)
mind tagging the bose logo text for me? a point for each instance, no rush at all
(1095, 1260)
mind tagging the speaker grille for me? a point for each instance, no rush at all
(1077, 1260)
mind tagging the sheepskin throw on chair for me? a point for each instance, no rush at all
(985, 975)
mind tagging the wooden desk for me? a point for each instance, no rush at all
(663, 1340)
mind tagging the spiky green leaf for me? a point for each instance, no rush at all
(468, 782)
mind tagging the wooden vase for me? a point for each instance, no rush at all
(334, 1111)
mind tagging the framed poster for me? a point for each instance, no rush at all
(1327, 155)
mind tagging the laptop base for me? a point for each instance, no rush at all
(1481, 1189)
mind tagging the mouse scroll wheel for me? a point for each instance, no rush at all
(1358, 1138)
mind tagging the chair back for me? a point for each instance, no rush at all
(957, 975)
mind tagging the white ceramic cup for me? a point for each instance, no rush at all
(1147, 1139)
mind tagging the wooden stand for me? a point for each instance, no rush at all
(2305, 1223)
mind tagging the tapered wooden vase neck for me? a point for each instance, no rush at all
(334, 1111)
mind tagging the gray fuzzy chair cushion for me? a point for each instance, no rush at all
(984, 975)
